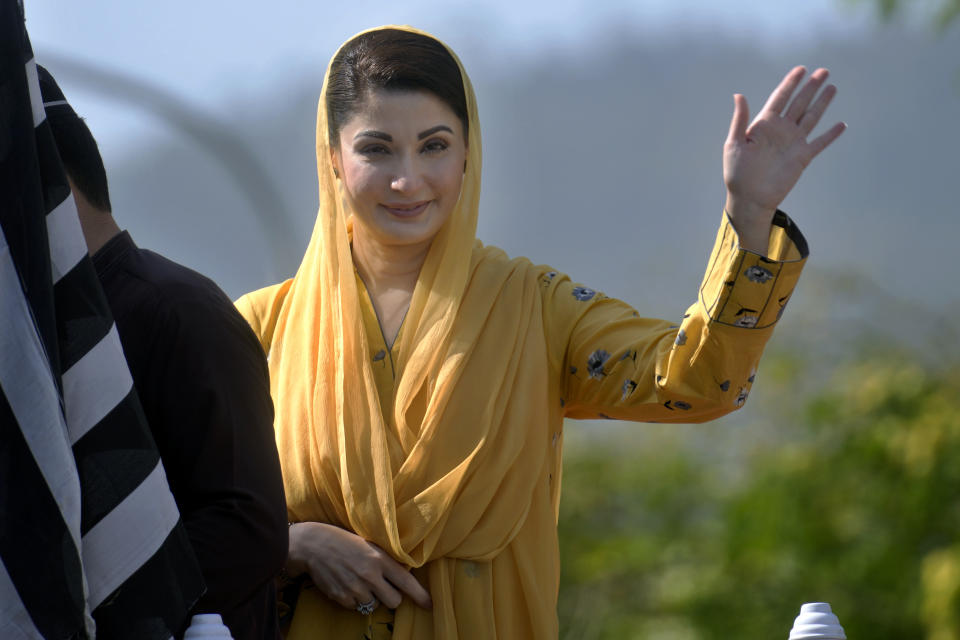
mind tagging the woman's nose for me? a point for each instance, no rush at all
(407, 177)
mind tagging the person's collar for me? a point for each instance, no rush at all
(113, 253)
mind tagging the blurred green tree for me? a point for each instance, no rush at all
(944, 12)
(864, 513)
(860, 509)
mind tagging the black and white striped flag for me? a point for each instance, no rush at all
(90, 537)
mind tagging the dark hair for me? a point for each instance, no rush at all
(81, 159)
(75, 144)
(394, 60)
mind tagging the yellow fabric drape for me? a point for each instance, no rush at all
(458, 476)
(445, 485)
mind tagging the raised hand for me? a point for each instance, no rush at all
(763, 161)
(348, 569)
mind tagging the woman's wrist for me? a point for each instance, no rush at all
(752, 224)
(296, 564)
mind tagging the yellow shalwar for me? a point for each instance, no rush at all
(445, 451)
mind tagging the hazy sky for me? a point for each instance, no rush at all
(206, 51)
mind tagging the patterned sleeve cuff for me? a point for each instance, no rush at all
(744, 289)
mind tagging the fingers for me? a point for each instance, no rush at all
(816, 110)
(741, 116)
(350, 588)
(385, 593)
(778, 100)
(823, 141)
(370, 582)
(800, 103)
(346, 592)
(402, 579)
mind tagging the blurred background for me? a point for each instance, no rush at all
(602, 129)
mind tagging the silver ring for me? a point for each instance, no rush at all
(366, 608)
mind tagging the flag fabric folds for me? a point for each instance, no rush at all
(91, 543)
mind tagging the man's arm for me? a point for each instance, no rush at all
(214, 427)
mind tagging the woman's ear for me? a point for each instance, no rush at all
(335, 162)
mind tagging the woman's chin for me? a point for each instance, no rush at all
(405, 234)
(391, 230)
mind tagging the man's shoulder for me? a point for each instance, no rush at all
(179, 286)
(182, 303)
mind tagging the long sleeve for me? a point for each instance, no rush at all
(613, 363)
(213, 422)
(203, 383)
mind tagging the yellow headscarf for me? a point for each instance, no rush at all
(446, 478)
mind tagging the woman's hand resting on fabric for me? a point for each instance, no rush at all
(763, 161)
(348, 569)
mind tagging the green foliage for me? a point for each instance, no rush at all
(944, 11)
(625, 567)
(860, 508)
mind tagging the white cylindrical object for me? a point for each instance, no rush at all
(817, 622)
(205, 626)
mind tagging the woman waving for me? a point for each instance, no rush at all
(421, 379)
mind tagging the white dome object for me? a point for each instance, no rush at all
(206, 626)
(817, 622)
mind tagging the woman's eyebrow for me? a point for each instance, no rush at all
(433, 130)
(374, 134)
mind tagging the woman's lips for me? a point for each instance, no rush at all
(406, 210)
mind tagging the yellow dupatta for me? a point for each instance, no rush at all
(446, 478)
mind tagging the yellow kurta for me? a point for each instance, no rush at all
(599, 359)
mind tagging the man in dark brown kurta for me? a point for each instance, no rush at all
(203, 382)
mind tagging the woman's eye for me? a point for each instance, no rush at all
(434, 146)
(373, 149)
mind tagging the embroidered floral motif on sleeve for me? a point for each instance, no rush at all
(741, 397)
(758, 274)
(583, 293)
(595, 364)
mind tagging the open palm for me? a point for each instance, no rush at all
(763, 161)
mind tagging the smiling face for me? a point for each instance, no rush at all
(401, 158)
